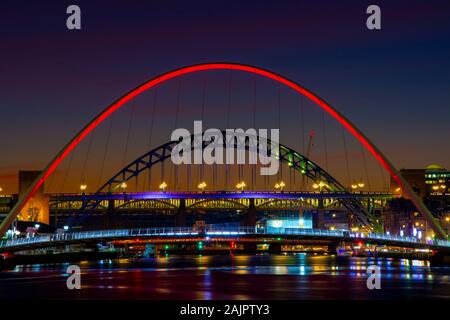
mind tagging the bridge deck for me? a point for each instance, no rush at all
(241, 232)
(221, 195)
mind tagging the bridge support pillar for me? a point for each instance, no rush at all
(275, 248)
(440, 259)
(250, 219)
(180, 214)
(333, 248)
(109, 218)
(249, 247)
(316, 218)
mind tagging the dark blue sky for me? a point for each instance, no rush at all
(394, 84)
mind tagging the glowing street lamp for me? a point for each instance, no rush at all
(163, 187)
(83, 187)
(319, 185)
(123, 185)
(202, 186)
(358, 185)
(280, 186)
(240, 186)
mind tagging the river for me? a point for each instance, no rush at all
(230, 277)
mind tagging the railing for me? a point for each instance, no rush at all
(213, 231)
(217, 194)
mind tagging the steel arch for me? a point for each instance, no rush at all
(381, 158)
(288, 156)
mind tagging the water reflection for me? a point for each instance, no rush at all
(231, 277)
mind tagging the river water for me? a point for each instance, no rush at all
(230, 277)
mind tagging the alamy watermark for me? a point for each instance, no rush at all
(74, 279)
(374, 278)
(216, 147)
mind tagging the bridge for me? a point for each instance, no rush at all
(238, 234)
(215, 200)
(330, 194)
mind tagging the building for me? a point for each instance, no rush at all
(432, 181)
(432, 184)
(37, 208)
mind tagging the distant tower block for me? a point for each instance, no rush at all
(37, 209)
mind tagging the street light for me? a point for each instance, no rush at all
(280, 186)
(358, 185)
(319, 185)
(240, 186)
(83, 187)
(163, 187)
(123, 186)
(202, 186)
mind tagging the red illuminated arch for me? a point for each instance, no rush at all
(216, 66)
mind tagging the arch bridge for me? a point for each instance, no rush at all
(286, 155)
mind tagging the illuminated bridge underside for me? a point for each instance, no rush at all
(293, 159)
(218, 200)
(243, 234)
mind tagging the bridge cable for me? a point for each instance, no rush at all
(105, 152)
(325, 140)
(86, 157)
(280, 171)
(175, 167)
(365, 165)
(384, 184)
(303, 142)
(150, 136)
(202, 166)
(254, 126)
(230, 79)
(69, 165)
(346, 158)
(128, 134)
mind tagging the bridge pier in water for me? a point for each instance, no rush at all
(109, 217)
(180, 214)
(250, 217)
(440, 258)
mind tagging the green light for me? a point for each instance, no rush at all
(166, 247)
(278, 239)
(200, 245)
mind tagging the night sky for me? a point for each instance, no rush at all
(394, 83)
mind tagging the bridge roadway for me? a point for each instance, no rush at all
(238, 234)
(288, 195)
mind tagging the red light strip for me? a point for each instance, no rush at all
(179, 72)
